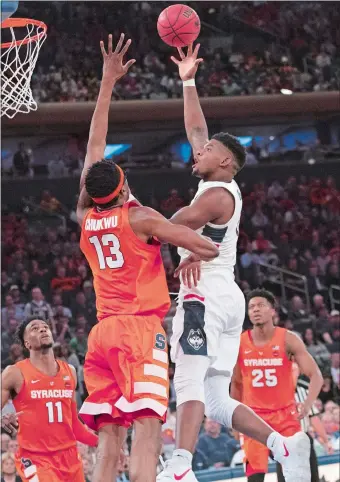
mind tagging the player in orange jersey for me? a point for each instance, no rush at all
(43, 393)
(263, 378)
(126, 366)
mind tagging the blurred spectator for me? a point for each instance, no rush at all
(11, 310)
(13, 446)
(21, 162)
(49, 202)
(15, 355)
(58, 309)
(297, 309)
(5, 438)
(214, 449)
(79, 343)
(318, 351)
(38, 306)
(8, 336)
(57, 168)
(172, 204)
(8, 470)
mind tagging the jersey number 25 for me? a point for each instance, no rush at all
(266, 377)
(116, 260)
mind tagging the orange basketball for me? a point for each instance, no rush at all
(178, 25)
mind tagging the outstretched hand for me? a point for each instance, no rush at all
(190, 270)
(189, 63)
(113, 67)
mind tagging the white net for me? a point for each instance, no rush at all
(18, 59)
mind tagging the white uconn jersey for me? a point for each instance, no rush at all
(225, 236)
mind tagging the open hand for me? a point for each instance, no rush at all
(189, 63)
(190, 269)
(9, 422)
(113, 67)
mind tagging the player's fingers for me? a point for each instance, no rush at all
(17, 414)
(120, 43)
(194, 276)
(129, 63)
(190, 49)
(198, 61)
(196, 49)
(199, 272)
(109, 44)
(184, 277)
(190, 278)
(102, 48)
(125, 48)
(175, 61)
(181, 53)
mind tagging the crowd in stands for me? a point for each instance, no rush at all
(293, 225)
(69, 65)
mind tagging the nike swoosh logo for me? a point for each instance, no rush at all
(247, 351)
(180, 477)
(286, 454)
(35, 381)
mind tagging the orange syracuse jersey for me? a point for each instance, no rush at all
(128, 273)
(45, 424)
(267, 373)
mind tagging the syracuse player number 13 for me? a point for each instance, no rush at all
(116, 260)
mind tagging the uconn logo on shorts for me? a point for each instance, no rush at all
(195, 339)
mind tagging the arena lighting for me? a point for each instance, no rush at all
(286, 91)
(115, 149)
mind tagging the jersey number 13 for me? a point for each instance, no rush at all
(116, 260)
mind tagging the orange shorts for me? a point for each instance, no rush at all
(285, 422)
(53, 467)
(125, 371)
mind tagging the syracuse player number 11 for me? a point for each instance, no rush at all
(116, 260)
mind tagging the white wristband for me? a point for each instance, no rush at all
(189, 83)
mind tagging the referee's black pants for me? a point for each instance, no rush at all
(313, 465)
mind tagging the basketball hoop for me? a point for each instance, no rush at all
(18, 59)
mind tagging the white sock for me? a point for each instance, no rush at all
(272, 439)
(184, 454)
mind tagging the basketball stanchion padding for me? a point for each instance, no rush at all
(18, 59)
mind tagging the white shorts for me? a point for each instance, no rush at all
(208, 321)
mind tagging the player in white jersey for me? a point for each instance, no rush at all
(211, 307)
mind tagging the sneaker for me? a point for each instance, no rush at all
(293, 454)
(176, 469)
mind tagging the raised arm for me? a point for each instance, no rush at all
(148, 222)
(308, 367)
(113, 69)
(195, 124)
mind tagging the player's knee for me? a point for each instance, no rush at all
(189, 384)
(109, 445)
(146, 447)
(221, 410)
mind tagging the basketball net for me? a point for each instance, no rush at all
(18, 59)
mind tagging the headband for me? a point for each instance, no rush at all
(109, 197)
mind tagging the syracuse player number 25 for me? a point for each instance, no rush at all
(116, 260)
(266, 377)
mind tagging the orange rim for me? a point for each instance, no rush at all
(23, 22)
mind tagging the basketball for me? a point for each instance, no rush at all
(178, 25)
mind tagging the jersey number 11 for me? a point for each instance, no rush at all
(54, 411)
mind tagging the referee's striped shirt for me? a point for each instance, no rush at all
(301, 393)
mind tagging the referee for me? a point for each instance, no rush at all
(313, 419)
